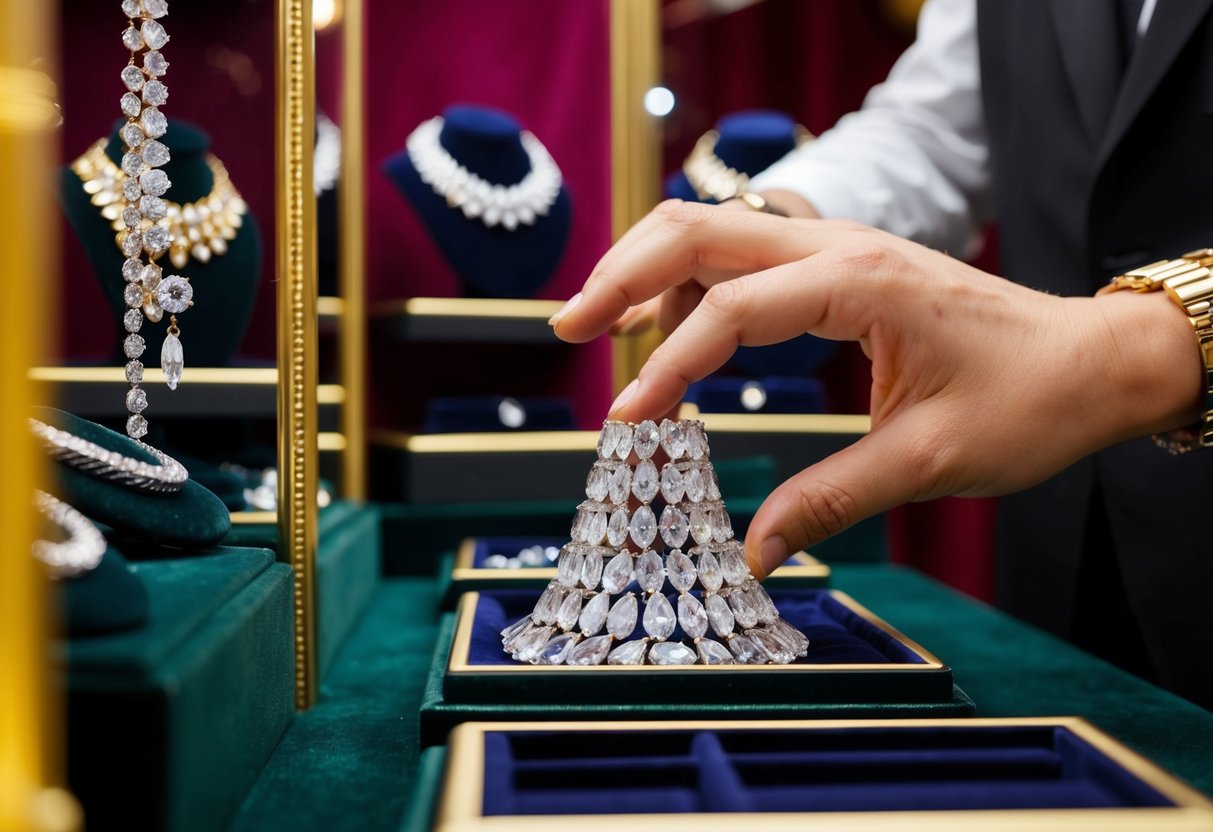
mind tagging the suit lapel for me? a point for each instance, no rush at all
(1173, 24)
(1089, 40)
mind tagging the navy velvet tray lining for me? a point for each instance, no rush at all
(511, 546)
(901, 769)
(837, 635)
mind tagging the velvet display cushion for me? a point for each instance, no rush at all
(190, 518)
(107, 599)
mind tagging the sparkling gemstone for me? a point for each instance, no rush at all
(136, 400)
(796, 640)
(155, 93)
(136, 427)
(134, 372)
(155, 153)
(643, 526)
(153, 122)
(172, 360)
(711, 485)
(617, 574)
(149, 276)
(154, 35)
(671, 652)
(722, 525)
(744, 650)
(773, 647)
(617, 529)
(131, 105)
(132, 134)
(155, 64)
(174, 292)
(132, 321)
(701, 529)
(132, 163)
(673, 438)
(713, 652)
(597, 483)
(697, 444)
(152, 207)
(620, 484)
(673, 527)
(516, 629)
(527, 646)
(131, 189)
(621, 621)
(156, 239)
(709, 572)
(608, 439)
(647, 439)
(548, 605)
(681, 571)
(156, 8)
(719, 614)
(672, 487)
(132, 76)
(659, 619)
(578, 529)
(154, 182)
(645, 481)
(591, 570)
(650, 572)
(762, 602)
(744, 613)
(733, 565)
(590, 651)
(594, 614)
(556, 650)
(693, 480)
(623, 447)
(569, 612)
(131, 269)
(568, 569)
(131, 217)
(131, 8)
(596, 527)
(691, 616)
(133, 295)
(631, 652)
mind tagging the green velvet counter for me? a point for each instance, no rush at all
(170, 724)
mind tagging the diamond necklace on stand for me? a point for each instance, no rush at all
(148, 294)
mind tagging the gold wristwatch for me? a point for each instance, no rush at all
(1189, 282)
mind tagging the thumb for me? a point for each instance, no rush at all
(873, 475)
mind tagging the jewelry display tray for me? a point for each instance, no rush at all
(857, 666)
(467, 571)
(1005, 774)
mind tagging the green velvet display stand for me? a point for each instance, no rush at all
(226, 286)
(108, 599)
(169, 724)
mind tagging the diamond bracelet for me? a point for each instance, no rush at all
(82, 550)
(168, 476)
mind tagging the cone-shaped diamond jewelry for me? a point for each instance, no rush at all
(617, 600)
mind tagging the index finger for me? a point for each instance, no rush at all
(669, 245)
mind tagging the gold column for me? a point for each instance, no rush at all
(635, 144)
(352, 207)
(297, 371)
(31, 714)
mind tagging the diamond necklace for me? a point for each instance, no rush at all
(505, 205)
(200, 229)
(147, 294)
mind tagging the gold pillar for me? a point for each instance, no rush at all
(297, 372)
(352, 207)
(635, 144)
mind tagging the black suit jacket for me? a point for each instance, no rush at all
(1093, 174)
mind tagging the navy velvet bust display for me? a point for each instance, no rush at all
(490, 261)
(226, 286)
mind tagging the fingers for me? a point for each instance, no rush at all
(670, 245)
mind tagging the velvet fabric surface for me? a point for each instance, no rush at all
(107, 599)
(347, 574)
(192, 517)
(856, 770)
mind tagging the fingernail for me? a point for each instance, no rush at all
(774, 551)
(626, 396)
(564, 310)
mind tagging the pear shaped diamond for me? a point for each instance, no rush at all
(659, 618)
(701, 529)
(617, 529)
(713, 652)
(674, 528)
(591, 570)
(691, 616)
(570, 611)
(672, 487)
(681, 570)
(620, 485)
(617, 574)
(568, 568)
(771, 646)
(733, 565)
(697, 443)
(645, 481)
(630, 653)
(590, 651)
(594, 614)
(670, 653)
(719, 614)
(549, 605)
(650, 572)
(693, 479)
(647, 439)
(621, 621)
(709, 572)
(743, 610)
(556, 650)
(673, 439)
(643, 526)
(744, 650)
(596, 527)
(597, 483)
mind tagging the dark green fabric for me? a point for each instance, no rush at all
(265, 535)
(169, 725)
(219, 481)
(347, 573)
(107, 599)
(193, 517)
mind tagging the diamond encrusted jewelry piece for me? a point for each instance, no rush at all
(697, 604)
(82, 550)
(506, 205)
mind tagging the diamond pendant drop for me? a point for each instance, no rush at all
(172, 360)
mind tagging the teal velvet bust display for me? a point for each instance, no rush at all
(105, 600)
(190, 518)
(226, 286)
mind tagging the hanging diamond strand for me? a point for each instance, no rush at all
(144, 213)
